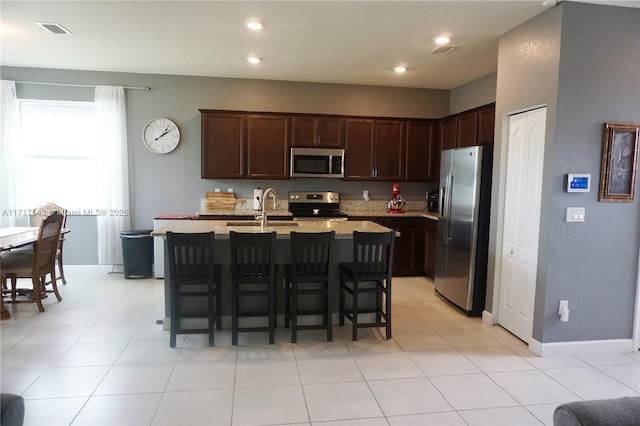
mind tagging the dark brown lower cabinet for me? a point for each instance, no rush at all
(408, 256)
(430, 235)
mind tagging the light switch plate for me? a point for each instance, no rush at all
(575, 214)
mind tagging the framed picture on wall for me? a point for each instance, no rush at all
(619, 162)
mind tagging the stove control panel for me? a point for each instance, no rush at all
(314, 197)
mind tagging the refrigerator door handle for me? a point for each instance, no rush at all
(446, 208)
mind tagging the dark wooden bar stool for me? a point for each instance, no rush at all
(308, 274)
(253, 275)
(369, 273)
(193, 274)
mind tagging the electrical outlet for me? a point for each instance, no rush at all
(365, 195)
(564, 304)
(563, 310)
(216, 190)
(230, 190)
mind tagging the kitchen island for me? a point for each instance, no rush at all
(342, 251)
(344, 229)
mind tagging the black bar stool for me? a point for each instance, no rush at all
(253, 274)
(193, 274)
(369, 273)
(308, 274)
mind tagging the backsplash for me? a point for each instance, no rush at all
(245, 204)
(378, 205)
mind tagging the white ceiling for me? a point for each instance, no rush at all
(316, 41)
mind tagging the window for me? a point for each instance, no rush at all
(58, 141)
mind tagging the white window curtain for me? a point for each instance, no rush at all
(10, 158)
(114, 215)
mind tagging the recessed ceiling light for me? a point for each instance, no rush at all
(254, 25)
(442, 40)
(53, 27)
(400, 69)
(254, 60)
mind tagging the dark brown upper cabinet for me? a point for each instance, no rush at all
(374, 149)
(267, 146)
(421, 154)
(467, 129)
(358, 149)
(238, 145)
(223, 146)
(448, 132)
(486, 124)
(389, 150)
(317, 132)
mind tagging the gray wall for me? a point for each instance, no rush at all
(171, 184)
(586, 75)
(476, 93)
(599, 82)
(525, 80)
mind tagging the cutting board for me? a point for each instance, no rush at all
(220, 200)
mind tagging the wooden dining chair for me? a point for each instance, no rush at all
(35, 264)
(39, 214)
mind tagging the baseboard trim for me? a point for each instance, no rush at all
(487, 318)
(580, 347)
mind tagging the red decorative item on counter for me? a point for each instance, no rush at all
(396, 204)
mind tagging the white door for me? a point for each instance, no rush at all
(523, 191)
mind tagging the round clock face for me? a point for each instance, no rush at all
(161, 135)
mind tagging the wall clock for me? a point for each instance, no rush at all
(161, 135)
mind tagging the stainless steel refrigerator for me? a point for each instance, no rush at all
(463, 226)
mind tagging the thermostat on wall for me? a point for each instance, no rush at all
(577, 182)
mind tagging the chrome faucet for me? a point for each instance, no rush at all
(265, 195)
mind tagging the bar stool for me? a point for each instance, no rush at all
(193, 275)
(308, 274)
(253, 275)
(369, 273)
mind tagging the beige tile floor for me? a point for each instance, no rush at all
(99, 358)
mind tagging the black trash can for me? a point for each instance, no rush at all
(137, 253)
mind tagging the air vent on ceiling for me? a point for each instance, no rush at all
(443, 50)
(53, 27)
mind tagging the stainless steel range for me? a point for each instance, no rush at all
(315, 205)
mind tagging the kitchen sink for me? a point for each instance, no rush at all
(257, 223)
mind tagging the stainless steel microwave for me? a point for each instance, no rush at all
(317, 162)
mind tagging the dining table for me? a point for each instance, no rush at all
(12, 238)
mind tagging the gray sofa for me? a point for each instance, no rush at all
(11, 410)
(604, 412)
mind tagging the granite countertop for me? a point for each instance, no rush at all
(343, 228)
(385, 213)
